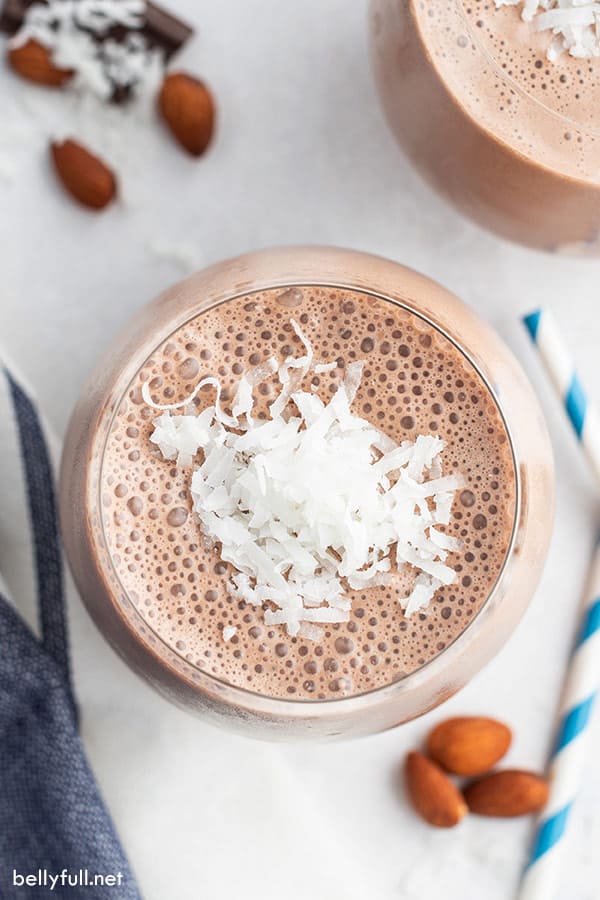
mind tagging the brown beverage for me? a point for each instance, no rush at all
(128, 513)
(415, 382)
(510, 137)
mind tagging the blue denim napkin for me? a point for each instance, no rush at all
(56, 836)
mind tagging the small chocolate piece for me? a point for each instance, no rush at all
(161, 29)
(164, 30)
(12, 15)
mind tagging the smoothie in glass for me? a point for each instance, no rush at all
(164, 586)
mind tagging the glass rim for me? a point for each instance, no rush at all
(255, 698)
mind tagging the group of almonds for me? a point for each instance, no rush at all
(469, 747)
(185, 104)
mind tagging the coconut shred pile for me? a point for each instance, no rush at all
(76, 32)
(575, 24)
(313, 501)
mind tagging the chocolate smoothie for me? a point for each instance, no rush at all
(507, 134)
(415, 381)
(155, 581)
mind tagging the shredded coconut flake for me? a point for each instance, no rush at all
(228, 632)
(314, 501)
(575, 24)
(75, 32)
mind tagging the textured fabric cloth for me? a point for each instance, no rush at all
(54, 827)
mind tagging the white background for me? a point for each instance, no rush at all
(302, 155)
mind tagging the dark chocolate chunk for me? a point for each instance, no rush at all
(164, 30)
(12, 14)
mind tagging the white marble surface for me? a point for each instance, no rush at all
(302, 155)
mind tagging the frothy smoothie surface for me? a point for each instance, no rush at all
(414, 382)
(497, 66)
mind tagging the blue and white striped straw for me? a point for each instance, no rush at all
(547, 338)
(567, 762)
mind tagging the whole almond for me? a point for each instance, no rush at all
(33, 61)
(512, 792)
(86, 178)
(188, 108)
(469, 745)
(433, 795)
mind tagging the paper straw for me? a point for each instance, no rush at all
(567, 761)
(546, 336)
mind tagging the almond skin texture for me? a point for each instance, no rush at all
(433, 795)
(188, 108)
(469, 745)
(85, 177)
(512, 792)
(33, 62)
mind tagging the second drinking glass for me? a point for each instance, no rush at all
(509, 137)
